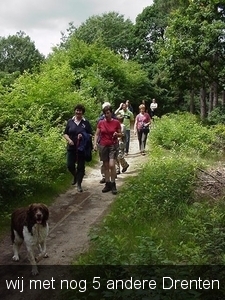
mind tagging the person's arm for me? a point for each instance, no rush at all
(135, 125)
(131, 118)
(96, 138)
(69, 141)
(66, 135)
(148, 120)
(118, 133)
(119, 108)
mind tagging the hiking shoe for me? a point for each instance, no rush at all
(113, 188)
(102, 180)
(74, 181)
(79, 188)
(124, 169)
(107, 187)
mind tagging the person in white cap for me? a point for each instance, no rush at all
(105, 104)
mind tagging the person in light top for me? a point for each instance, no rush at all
(128, 119)
(153, 108)
(120, 160)
(141, 127)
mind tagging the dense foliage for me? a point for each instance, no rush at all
(174, 53)
(136, 230)
(34, 110)
(17, 54)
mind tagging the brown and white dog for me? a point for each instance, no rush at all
(30, 225)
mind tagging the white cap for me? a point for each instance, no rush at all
(105, 104)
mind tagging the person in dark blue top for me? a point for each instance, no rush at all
(77, 129)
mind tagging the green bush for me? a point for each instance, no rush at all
(202, 235)
(217, 116)
(30, 160)
(182, 132)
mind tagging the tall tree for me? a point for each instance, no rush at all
(193, 51)
(18, 53)
(111, 29)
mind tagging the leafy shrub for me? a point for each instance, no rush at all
(165, 188)
(30, 160)
(182, 132)
(217, 116)
(219, 137)
(202, 233)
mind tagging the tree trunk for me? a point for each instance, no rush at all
(215, 95)
(192, 95)
(202, 103)
(223, 98)
(210, 99)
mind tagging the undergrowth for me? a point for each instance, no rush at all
(156, 219)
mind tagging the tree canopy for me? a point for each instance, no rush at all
(18, 53)
(110, 29)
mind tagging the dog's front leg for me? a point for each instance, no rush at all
(43, 251)
(31, 257)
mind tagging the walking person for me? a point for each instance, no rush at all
(153, 108)
(129, 106)
(78, 134)
(101, 117)
(120, 160)
(141, 127)
(106, 140)
(128, 119)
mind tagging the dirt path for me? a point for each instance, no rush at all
(73, 214)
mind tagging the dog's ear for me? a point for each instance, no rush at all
(30, 217)
(30, 209)
(45, 211)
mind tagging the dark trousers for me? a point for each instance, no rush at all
(142, 138)
(127, 141)
(76, 165)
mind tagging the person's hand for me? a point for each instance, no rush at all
(95, 148)
(70, 142)
(115, 134)
(79, 136)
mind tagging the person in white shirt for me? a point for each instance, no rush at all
(128, 120)
(153, 107)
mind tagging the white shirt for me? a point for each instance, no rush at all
(153, 106)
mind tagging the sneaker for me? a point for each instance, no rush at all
(124, 169)
(114, 190)
(102, 180)
(79, 188)
(107, 187)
